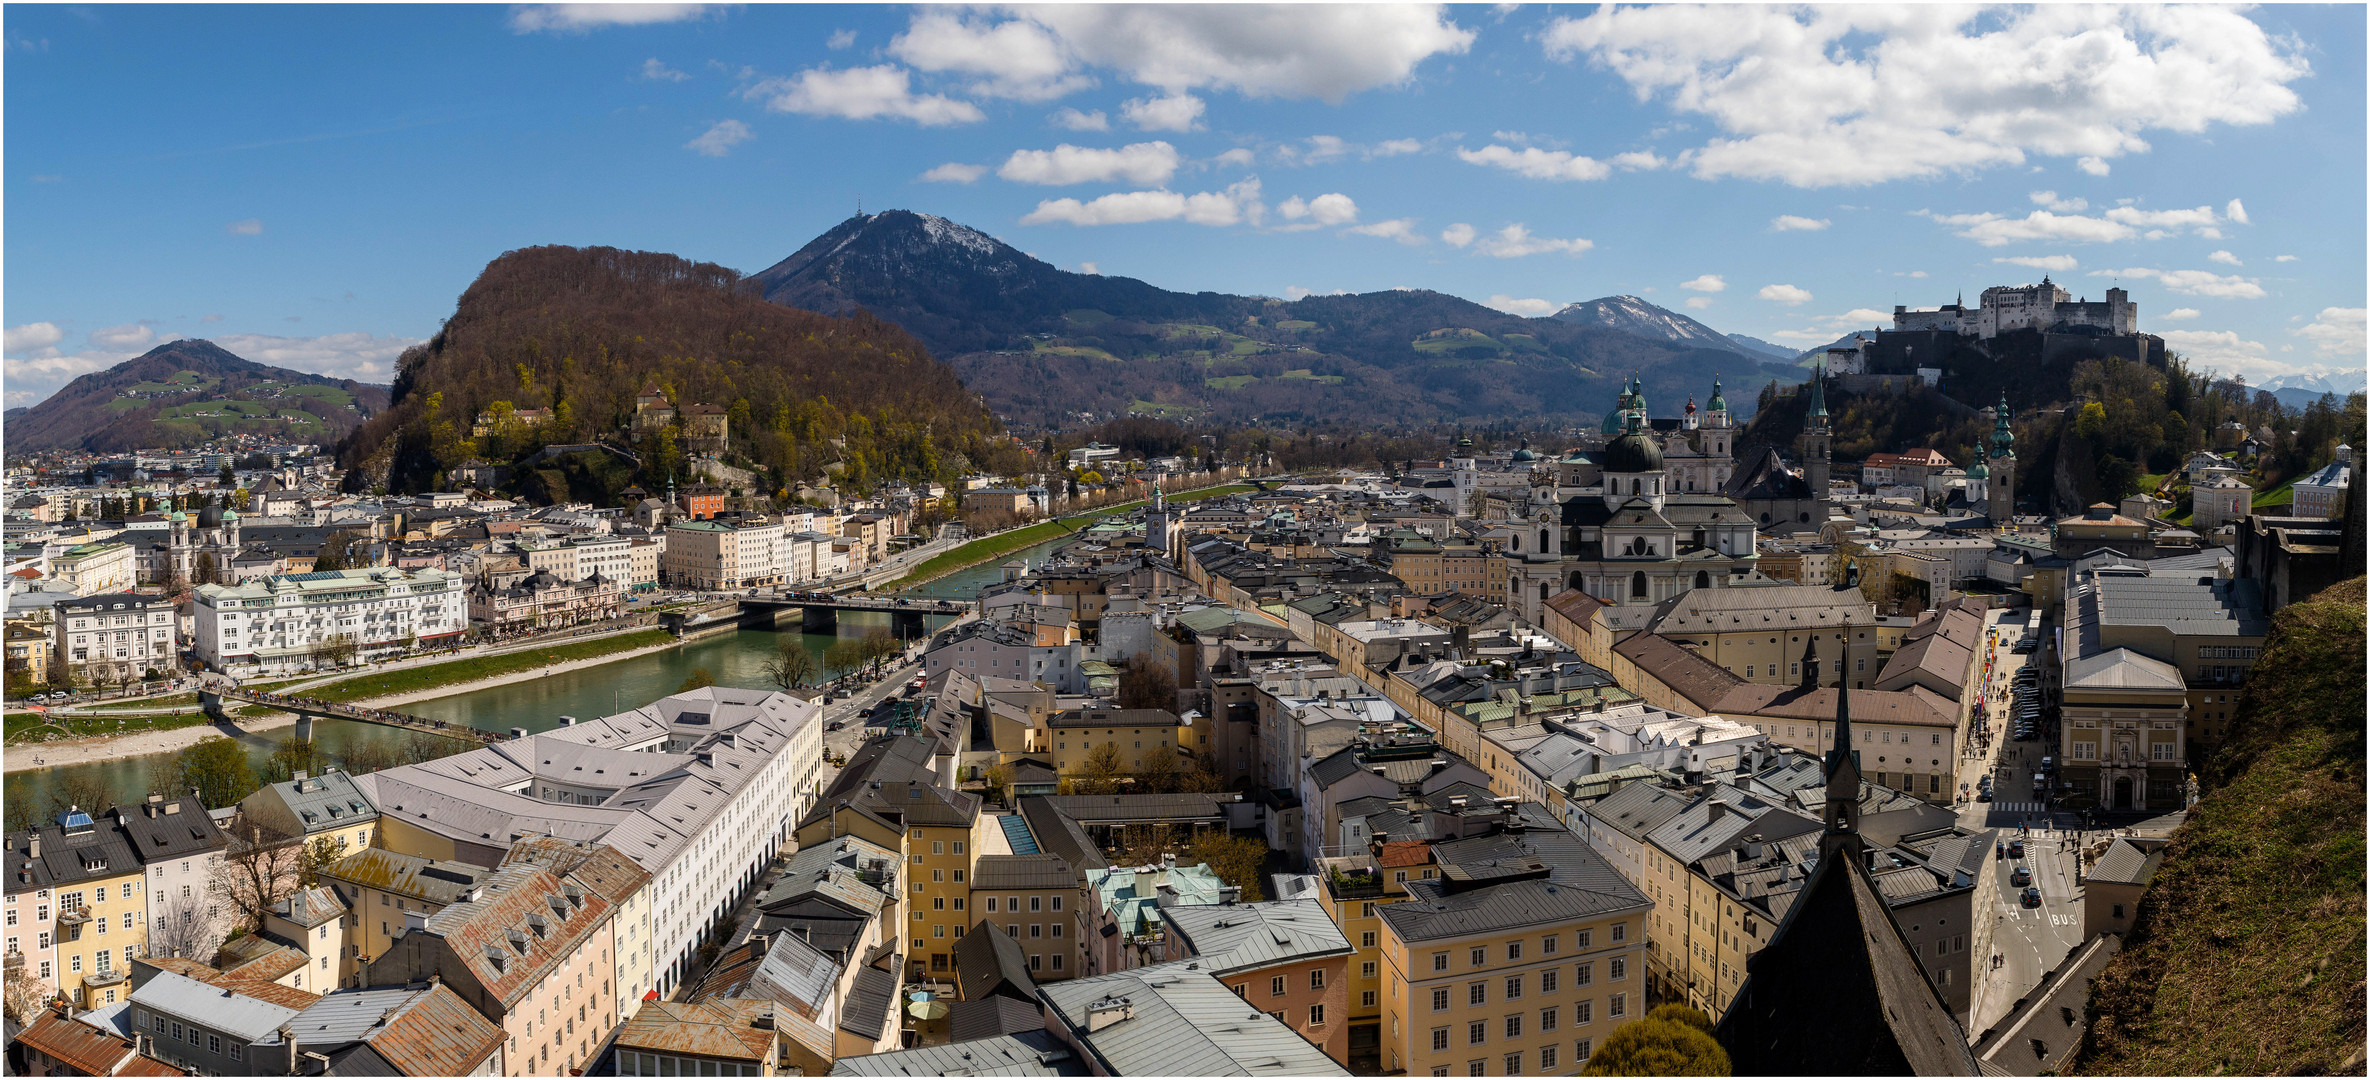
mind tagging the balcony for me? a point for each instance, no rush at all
(106, 977)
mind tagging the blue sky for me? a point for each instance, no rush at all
(314, 186)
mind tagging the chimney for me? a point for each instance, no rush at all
(1108, 1011)
(33, 846)
(1715, 810)
(288, 1050)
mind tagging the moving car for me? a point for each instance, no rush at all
(835, 725)
(2020, 876)
(2016, 851)
(2032, 898)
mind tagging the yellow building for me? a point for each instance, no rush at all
(1134, 732)
(76, 912)
(1356, 888)
(889, 795)
(1526, 980)
(386, 891)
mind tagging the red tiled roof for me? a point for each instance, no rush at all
(84, 1048)
(1405, 853)
(438, 1034)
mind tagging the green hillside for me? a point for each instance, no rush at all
(2247, 955)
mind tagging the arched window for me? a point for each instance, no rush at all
(1703, 580)
(1698, 538)
(1633, 485)
(1543, 544)
(1637, 585)
(1577, 581)
(1542, 590)
(1514, 542)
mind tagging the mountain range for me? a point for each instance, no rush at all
(184, 392)
(1047, 347)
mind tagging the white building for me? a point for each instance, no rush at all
(121, 629)
(723, 556)
(700, 789)
(276, 623)
(2320, 494)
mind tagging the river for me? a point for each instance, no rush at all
(535, 702)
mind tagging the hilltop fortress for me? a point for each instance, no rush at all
(2046, 307)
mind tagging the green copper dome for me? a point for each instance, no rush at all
(1718, 403)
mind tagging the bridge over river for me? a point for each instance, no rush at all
(817, 613)
(211, 698)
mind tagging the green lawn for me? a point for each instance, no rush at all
(1295, 324)
(1310, 375)
(455, 672)
(25, 727)
(1454, 338)
(2277, 496)
(1230, 382)
(1005, 543)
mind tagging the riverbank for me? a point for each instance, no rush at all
(396, 688)
(1005, 543)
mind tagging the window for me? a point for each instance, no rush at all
(938, 903)
(1618, 969)
(1036, 930)
(1587, 938)
(1584, 1013)
(1316, 1015)
(1514, 1026)
(1514, 1064)
(1365, 997)
(1316, 979)
(1440, 1038)
(1584, 975)
(1547, 1057)
(1057, 904)
(1617, 1006)
(1477, 994)
(74, 963)
(1620, 933)
(1478, 1067)
(2118, 911)
(1547, 944)
(213, 1044)
(1275, 986)
(959, 872)
(1479, 956)
(1440, 999)
(1547, 1019)
(1440, 961)
(958, 847)
(1366, 910)
(1581, 1049)
(1057, 927)
(235, 1051)
(1548, 979)
(1036, 903)
(1476, 1032)
(991, 903)
(1366, 970)
(1366, 940)
(1513, 987)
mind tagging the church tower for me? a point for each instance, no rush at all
(2001, 506)
(1817, 435)
(1721, 427)
(1633, 468)
(1979, 482)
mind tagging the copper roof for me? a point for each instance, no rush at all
(437, 1035)
(527, 919)
(723, 1028)
(267, 990)
(84, 1048)
(1404, 853)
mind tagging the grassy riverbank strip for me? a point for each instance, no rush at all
(1009, 541)
(26, 728)
(473, 669)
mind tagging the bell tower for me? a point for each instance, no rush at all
(1818, 435)
(2001, 486)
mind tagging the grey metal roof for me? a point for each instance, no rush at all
(992, 1016)
(870, 1002)
(1182, 1022)
(990, 963)
(251, 1019)
(348, 1015)
(328, 801)
(2127, 863)
(1024, 872)
(1026, 1053)
(1638, 809)
(1579, 884)
(1229, 938)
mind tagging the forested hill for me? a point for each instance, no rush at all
(580, 331)
(184, 392)
(1042, 345)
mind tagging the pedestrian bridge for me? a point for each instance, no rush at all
(211, 699)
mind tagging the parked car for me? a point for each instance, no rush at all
(835, 725)
(2020, 876)
(2032, 898)
(1983, 795)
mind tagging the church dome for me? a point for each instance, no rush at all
(1525, 455)
(210, 518)
(1979, 471)
(1635, 452)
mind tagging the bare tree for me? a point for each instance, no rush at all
(257, 870)
(182, 927)
(24, 996)
(82, 790)
(792, 666)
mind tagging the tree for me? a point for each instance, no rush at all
(226, 477)
(792, 666)
(843, 657)
(205, 573)
(1157, 770)
(218, 769)
(181, 928)
(25, 996)
(879, 644)
(320, 854)
(1098, 773)
(1673, 1040)
(699, 677)
(289, 757)
(999, 780)
(79, 790)
(1237, 860)
(256, 871)
(333, 551)
(1145, 683)
(364, 758)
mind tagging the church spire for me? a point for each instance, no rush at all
(1818, 389)
(1843, 763)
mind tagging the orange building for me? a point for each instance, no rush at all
(1285, 957)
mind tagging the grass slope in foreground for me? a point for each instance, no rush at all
(2247, 954)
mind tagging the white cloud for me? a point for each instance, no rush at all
(1295, 292)
(1009, 59)
(1395, 147)
(1795, 223)
(579, 18)
(1074, 120)
(1330, 209)
(1785, 294)
(2283, 258)
(1917, 273)
(1706, 283)
(719, 140)
(2040, 226)
(2225, 258)
(2194, 282)
(862, 93)
(656, 70)
(2056, 264)
(1149, 163)
(30, 336)
(249, 227)
(354, 355)
(954, 172)
(1237, 156)
(1858, 94)
(209, 318)
(2180, 314)
(1530, 307)
(840, 39)
(1319, 51)
(1236, 205)
(1457, 235)
(2337, 333)
(1176, 112)
(1321, 149)
(1089, 268)
(2221, 350)
(1638, 160)
(1537, 164)
(2236, 211)
(1699, 303)
(117, 338)
(2095, 166)
(1399, 229)
(2048, 200)
(1515, 241)
(2194, 218)
(1518, 138)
